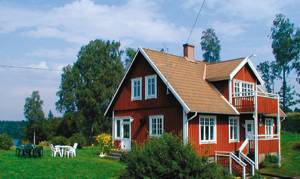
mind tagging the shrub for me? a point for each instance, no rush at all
(78, 138)
(168, 157)
(44, 143)
(271, 159)
(105, 142)
(297, 146)
(59, 140)
(5, 142)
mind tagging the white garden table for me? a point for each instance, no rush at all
(62, 148)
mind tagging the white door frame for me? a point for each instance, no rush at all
(246, 129)
(125, 142)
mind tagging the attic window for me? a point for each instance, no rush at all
(150, 87)
(242, 88)
(136, 89)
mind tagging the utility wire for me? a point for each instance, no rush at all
(195, 22)
(28, 68)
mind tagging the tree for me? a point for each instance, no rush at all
(296, 63)
(33, 112)
(290, 96)
(88, 85)
(33, 107)
(285, 49)
(269, 72)
(210, 45)
(130, 53)
(50, 115)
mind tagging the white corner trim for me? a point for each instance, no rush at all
(184, 105)
(242, 64)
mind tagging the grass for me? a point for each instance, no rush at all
(290, 156)
(86, 165)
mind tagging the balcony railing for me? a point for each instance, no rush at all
(266, 102)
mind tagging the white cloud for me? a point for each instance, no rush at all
(41, 64)
(55, 54)
(228, 29)
(83, 20)
(250, 10)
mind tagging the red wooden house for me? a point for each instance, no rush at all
(220, 108)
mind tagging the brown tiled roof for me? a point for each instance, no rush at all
(187, 79)
(221, 70)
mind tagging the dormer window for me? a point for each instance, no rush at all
(150, 87)
(136, 89)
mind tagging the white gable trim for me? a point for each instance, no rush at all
(110, 103)
(242, 64)
(184, 105)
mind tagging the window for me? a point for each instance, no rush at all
(207, 129)
(156, 125)
(234, 129)
(150, 87)
(242, 88)
(136, 89)
(118, 128)
(269, 127)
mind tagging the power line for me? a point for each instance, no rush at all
(28, 68)
(195, 22)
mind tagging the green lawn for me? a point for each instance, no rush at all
(86, 165)
(290, 156)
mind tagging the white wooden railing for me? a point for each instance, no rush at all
(244, 144)
(231, 156)
(249, 161)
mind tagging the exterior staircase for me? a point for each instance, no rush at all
(237, 163)
(115, 155)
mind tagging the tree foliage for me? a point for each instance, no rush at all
(130, 53)
(290, 97)
(285, 44)
(210, 45)
(269, 72)
(88, 84)
(33, 112)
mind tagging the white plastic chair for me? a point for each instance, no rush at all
(54, 150)
(72, 150)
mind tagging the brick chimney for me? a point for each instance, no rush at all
(188, 51)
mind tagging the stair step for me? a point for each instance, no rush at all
(113, 157)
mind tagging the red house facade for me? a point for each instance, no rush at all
(220, 108)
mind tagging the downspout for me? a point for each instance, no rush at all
(279, 132)
(186, 126)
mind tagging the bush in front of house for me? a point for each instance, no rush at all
(105, 143)
(59, 140)
(78, 138)
(5, 142)
(168, 157)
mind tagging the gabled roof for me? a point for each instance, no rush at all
(221, 70)
(186, 80)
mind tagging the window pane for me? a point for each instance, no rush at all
(126, 131)
(212, 133)
(206, 132)
(118, 128)
(202, 132)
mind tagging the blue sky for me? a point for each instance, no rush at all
(48, 34)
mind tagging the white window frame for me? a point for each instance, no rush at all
(240, 87)
(238, 128)
(267, 126)
(150, 125)
(153, 96)
(135, 98)
(213, 141)
(116, 132)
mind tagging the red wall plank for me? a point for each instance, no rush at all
(267, 105)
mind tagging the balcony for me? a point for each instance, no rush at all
(267, 103)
